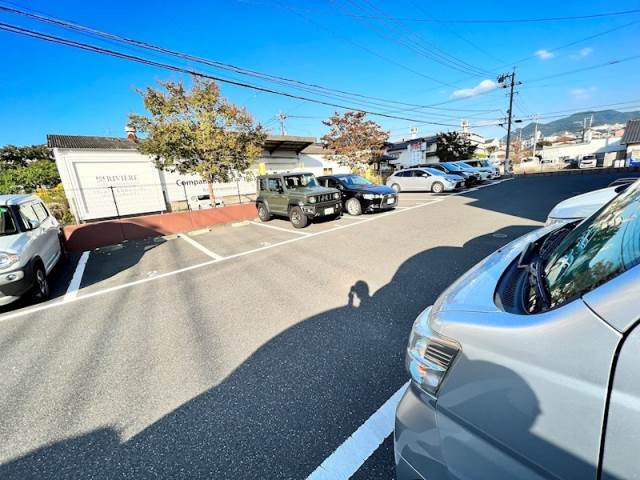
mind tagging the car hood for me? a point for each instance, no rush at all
(474, 291)
(12, 243)
(371, 189)
(583, 206)
(312, 190)
(454, 178)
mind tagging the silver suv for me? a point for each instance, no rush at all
(30, 246)
(527, 366)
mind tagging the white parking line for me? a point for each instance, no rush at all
(354, 451)
(350, 217)
(74, 285)
(200, 247)
(46, 306)
(279, 228)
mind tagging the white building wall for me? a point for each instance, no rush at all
(92, 178)
(577, 150)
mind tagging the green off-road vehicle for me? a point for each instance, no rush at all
(296, 195)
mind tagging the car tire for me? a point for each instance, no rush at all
(353, 207)
(298, 218)
(64, 256)
(396, 188)
(41, 290)
(263, 212)
(437, 187)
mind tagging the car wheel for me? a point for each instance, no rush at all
(63, 249)
(263, 213)
(298, 219)
(437, 187)
(396, 187)
(41, 289)
(354, 207)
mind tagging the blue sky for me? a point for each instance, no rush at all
(47, 88)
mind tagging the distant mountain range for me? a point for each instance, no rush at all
(573, 123)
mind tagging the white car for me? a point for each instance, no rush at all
(31, 244)
(484, 166)
(585, 205)
(588, 161)
(198, 202)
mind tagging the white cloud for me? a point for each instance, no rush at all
(582, 93)
(544, 54)
(583, 52)
(482, 87)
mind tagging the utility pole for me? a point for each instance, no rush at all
(511, 77)
(535, 134)
(282, 117)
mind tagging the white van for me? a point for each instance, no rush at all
(31, 244)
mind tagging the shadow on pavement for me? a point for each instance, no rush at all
(291, 403)
(543, 192)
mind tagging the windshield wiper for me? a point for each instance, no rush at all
(537, 282)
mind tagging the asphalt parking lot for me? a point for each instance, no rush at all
(245, 351)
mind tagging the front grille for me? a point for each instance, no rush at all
(325, 197)
(440, 354)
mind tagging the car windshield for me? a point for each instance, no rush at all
(7, 225)
(452, 166)
(355, 180)
(597, 250)
(300, 181)
(464, 165)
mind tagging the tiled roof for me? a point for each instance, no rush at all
(89, 142)
(631, 132)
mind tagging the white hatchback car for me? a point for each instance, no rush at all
(31, 244)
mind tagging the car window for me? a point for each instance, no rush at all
(262, 183)
(7, 225)
(331, 182)
(274, 184)
(28, 215)
(401, 174)
(596, 250)
(41, 212)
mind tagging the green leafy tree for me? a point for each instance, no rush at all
(452, 146)
(25, 169)
(197, 131)
(15, 157)
(357, 142)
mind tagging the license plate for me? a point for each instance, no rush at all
(329, 211)
(391, 200)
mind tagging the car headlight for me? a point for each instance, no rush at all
(429, 355)
(311, 199)
(8, 259)
(368, 196)
(336, 195)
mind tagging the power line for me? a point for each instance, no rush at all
(362, 47)
(417, 43)
(510, 20)
(214, 63)
(592, 67)
(93, 48)
(453, 32)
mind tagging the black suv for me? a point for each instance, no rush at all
(359, 194)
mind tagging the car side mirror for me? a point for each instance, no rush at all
(280, 189)
(33, 224)
(425, 175)
(340, 187)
